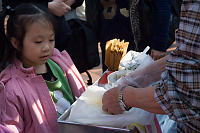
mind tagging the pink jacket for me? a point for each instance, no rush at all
(4, 129)
(25, 103)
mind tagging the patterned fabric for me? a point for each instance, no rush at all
(134, 19)
(179, 90)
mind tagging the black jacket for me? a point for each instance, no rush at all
(14, 3)
(63, 29)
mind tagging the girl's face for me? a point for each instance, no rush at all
(38, 44)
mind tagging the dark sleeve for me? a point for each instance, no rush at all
(161, 24)
(93, 10)
(77, 3)
(14, 3)
(2, 39)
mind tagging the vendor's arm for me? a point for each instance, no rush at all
(146, 76)
(142, 98)
(132, 97)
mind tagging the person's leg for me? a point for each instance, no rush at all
(104, 67)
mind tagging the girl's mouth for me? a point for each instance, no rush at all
(44, 57)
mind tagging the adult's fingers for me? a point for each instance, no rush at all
(67, 8)
(115, 110)
(104, 108)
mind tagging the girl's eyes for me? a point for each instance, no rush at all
(52, 40)
(38, 42)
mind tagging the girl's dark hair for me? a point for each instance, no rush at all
(19, 19)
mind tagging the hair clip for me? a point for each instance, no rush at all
(10, 10)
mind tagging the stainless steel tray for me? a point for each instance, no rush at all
(72, 127)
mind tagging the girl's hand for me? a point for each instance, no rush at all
(110, 101)
(58, 7)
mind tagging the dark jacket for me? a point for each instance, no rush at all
(110, 19)
(93, 14)
(63, 29)
(14, 3)
(150, 21)
(154, 21)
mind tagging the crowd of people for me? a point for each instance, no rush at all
(133, 23)
(39, 81)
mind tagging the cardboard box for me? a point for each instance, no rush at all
(72, 127)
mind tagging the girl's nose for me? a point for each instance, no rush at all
(46, 47)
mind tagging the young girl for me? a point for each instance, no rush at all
(40, 83)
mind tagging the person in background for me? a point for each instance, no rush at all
(110, 19)
(177, 93)
(58, 8)
(115, 19)
(87, 55)
(150, 22)
(40, 83)
(1, 6)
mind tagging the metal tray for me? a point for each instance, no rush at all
(72, 127)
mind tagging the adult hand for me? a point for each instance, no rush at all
(110, 101)
(58, 7)
(155, 54)
(132, 97)
(69, 2)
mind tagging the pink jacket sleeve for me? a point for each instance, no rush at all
(10, 112)
(4, 129)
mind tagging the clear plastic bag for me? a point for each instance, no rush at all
(135, 60)
(88, 110)
(113, 77)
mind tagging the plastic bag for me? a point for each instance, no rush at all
(113, 77)
(135, 60)
(88, 110)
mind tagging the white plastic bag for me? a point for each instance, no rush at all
(135, 60)
(113, 77)
(88, 110)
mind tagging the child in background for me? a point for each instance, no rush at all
(40, 82)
